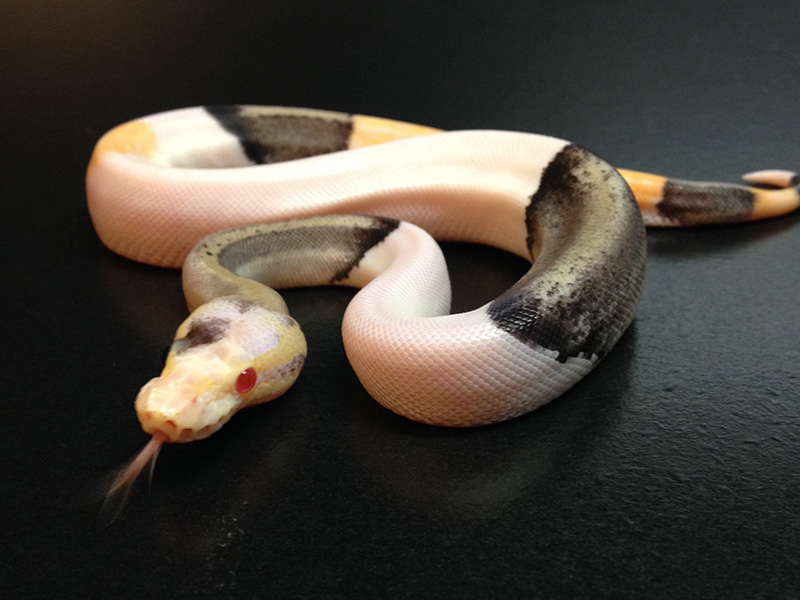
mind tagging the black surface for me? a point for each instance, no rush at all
(671, 471)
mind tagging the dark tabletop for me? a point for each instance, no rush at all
(670, 472)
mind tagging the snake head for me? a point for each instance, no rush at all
(228, 354)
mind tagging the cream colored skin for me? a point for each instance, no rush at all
(139, 206)
(196, 392)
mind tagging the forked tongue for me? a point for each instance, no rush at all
(121, 488)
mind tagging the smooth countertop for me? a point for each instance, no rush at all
(670, 472)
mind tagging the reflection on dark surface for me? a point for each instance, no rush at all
(412, 470)
(483, 473)
(466, 474)
(706, 242)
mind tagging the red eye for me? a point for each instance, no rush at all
(246, 380)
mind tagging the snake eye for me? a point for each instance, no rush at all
(246, 380)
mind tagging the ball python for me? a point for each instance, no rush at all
(249, 199)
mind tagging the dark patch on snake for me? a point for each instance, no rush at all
(285, 370)
(691, 203)
(584, 312)
(269, 137)
(361, 240)
(315, 251)
(204, 331)
(287, 321)
(243, 305)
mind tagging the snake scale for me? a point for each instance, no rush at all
(251, 199)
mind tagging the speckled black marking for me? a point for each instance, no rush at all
(691, 203)
(582, 317)
(287, 369)
(275, 137)
(561, 188)
(203, 331)
(360, 240)
(330, 251)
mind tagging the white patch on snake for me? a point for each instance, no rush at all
(254, 342)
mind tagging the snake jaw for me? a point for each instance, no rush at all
(183, 406)
(228, 354)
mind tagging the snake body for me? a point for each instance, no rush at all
(212, 189)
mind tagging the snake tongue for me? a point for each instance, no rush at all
(118, 492)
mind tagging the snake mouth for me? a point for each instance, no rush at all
(171, 432)
(171, 408)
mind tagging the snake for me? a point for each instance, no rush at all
(251, 199)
